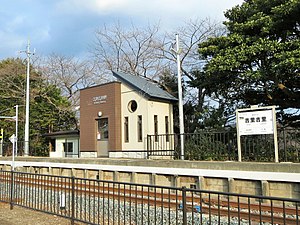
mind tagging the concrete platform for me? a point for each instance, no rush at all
(284, 167)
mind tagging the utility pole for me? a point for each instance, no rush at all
(26, 136)
(180, 103)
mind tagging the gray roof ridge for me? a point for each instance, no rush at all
(148, 86)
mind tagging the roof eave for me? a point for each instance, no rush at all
(173, 101)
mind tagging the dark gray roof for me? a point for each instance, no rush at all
(150, 89)
(62, 133)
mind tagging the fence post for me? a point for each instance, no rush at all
(73, 201)
(284, 145)
(184, 218)
(12, 190)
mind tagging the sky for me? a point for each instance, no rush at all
(67, 27)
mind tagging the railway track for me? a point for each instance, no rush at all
(196, 202)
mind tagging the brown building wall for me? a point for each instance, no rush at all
(104, 98)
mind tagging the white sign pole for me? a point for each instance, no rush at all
(12, 140)
(275, 135)
(16, 138)
(238, 138)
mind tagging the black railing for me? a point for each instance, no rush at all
(95, 201)
(289, 144)
(162, 145)
(222, 145)
(207, 145)
(35, 149)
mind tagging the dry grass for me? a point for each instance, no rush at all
(23, 216)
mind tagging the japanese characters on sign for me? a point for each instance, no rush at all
(255, 122)
(99, 99)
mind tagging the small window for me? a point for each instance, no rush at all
(167, 128)
(156, 128)
(132, 106)
(140, 128)
(102, 133)
(126, 129)
(52, 145)
(68, 147)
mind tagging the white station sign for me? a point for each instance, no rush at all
(255, 122)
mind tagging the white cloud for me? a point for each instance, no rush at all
(15, 23)
(11, 44)
(150, 8)
(68, 25)
(41, 34)
(169, 12)
(94, 6)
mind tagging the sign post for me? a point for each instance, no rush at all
(13, 141)
(256, 120)
(15, 135)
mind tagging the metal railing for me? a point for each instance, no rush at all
(35, 149)
(222, 145)
(95, 201)
(7, 148)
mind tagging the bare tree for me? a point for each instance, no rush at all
(198, 96)
(134, 51)
(191, 34)
(11, 85)
(70, 75)
(147, 52)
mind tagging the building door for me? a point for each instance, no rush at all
(102, 137)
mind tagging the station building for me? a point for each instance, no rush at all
(116, 117)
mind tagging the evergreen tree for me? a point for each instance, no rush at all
(49, 110)
(258, 61)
